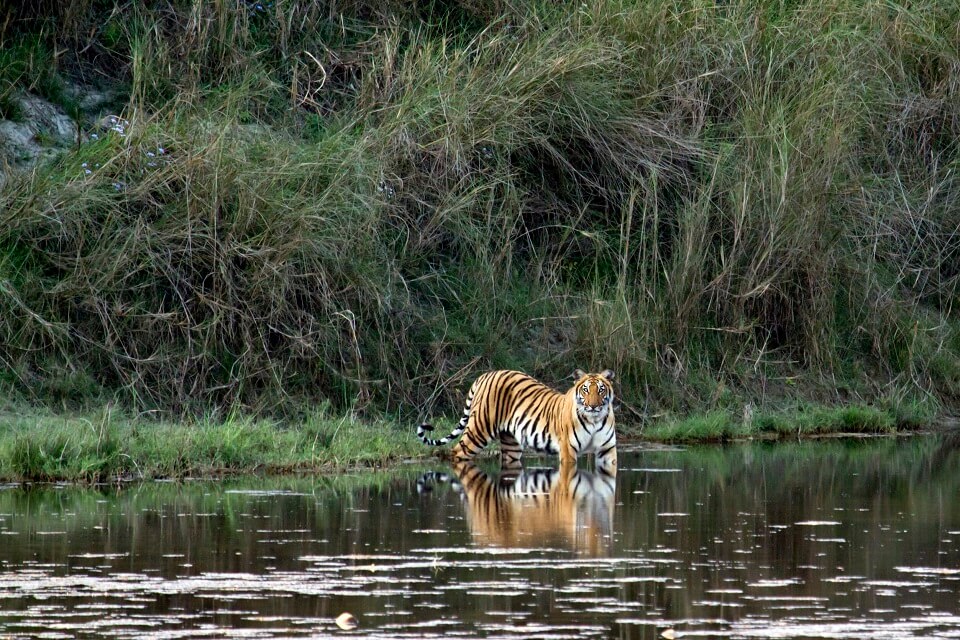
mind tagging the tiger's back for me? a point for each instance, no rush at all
(525, 414)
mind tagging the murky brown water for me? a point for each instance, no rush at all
(838, 539)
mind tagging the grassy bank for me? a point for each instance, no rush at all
(111, 447)
(798, 422)
(363, 206)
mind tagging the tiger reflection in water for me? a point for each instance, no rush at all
(535, 507)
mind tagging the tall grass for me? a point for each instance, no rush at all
(369, 204)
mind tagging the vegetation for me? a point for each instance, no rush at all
(366, 204)
(111, 447)
(802, 420)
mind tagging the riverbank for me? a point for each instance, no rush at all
(108, 446)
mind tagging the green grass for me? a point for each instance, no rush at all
(28, 63)
(107, 446)
(754, 202)
(712, 427)
(802, 421)
(823, 420)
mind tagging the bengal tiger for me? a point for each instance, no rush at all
(537, 507)
(523, 413)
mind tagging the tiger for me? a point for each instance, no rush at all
(535, 507)
(523, 413)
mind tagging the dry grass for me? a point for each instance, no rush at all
(369, 204)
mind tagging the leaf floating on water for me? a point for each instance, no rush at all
(347, 621)
(669, 634)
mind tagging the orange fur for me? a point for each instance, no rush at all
(537, 507)
(523, 413)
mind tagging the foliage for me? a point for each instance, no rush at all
(110, 446)
(368, 204)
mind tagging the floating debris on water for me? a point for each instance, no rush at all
(347, 621)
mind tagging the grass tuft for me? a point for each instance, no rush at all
(715, 426)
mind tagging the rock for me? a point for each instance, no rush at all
(49, 119)
(44, 129)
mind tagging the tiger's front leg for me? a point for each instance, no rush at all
(568, 455)
(607, 459)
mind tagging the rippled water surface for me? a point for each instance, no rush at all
(837, 539)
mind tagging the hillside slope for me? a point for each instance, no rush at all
(369, 203)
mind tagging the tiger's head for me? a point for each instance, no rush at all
(593, 392)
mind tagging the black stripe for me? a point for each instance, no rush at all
(502, 392)
(533, 421)
(580, 419)
(472, 437)
(536, 407)
(483, 390)
(534, 397)
(577, 479)
(488, 403)
(528, 400)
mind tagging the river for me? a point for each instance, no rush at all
(839, 538)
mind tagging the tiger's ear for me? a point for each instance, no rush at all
(579, 373)
(608, 374)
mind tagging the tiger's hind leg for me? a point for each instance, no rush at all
(471, 443)
(510, 452)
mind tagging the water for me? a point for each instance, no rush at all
(837, 539)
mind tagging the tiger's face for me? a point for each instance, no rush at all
(594, 392)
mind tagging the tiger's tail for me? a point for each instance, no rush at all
(427, 481)
(453, 435)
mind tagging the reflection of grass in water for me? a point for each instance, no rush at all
(107, 446)
(889, 496)
(887, 465)
(192, 510)
(713, 484)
